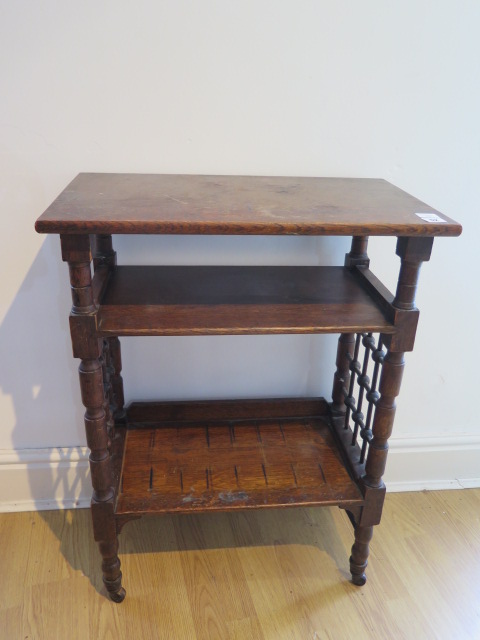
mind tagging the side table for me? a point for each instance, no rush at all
(183, 457)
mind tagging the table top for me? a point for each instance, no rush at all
(237, 205)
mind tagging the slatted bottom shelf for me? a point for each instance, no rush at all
(191, 465)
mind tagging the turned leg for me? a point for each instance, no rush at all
(112, 576)
(359, 557)
(98, 441)
(390, 382)
(412, 251)
(93, 371)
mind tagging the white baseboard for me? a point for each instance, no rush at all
(444, 462)
(59, 478)
(40, 479)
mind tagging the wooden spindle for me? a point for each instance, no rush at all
(103, 252)
(389, 388)
(358, 253)
(117, 380)
(341, 378)
(91, 385)
(76, 251)
(412, 252)
(80, 281)
(360, 552)
(112, 576)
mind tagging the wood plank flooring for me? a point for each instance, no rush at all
(260, 575)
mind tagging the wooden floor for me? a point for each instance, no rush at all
(275, 574)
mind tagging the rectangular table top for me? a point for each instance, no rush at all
(237, 205)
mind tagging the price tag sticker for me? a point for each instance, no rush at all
(430, 217)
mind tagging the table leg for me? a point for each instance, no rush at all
(98, 441)
(93, 383)
(359, 557)
(351, 377)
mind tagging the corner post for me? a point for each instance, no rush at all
(412, 252)
(88, 347)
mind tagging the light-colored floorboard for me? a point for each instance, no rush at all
(263, 575)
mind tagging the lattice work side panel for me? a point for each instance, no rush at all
(362, 394)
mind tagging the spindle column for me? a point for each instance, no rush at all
(412, 252)
(87, 347)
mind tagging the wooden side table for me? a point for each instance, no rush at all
(177, 457)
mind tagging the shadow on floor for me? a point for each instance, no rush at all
(196, 532)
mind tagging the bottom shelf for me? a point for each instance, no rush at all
(212, 456)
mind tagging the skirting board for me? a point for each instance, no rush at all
(59, 478)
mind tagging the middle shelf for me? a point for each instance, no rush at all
(213, 300)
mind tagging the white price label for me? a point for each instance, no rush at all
(430, 217)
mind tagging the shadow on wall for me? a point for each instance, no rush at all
(39, 374)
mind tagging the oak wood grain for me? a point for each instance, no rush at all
(221, 410)
(202, 300)
(194, 464)
(236, 464)
(103, 203)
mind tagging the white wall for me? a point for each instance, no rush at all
(367, 89)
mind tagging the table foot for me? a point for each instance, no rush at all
(359, 580)
(359, 557)
(117, 596)
(112, 576)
